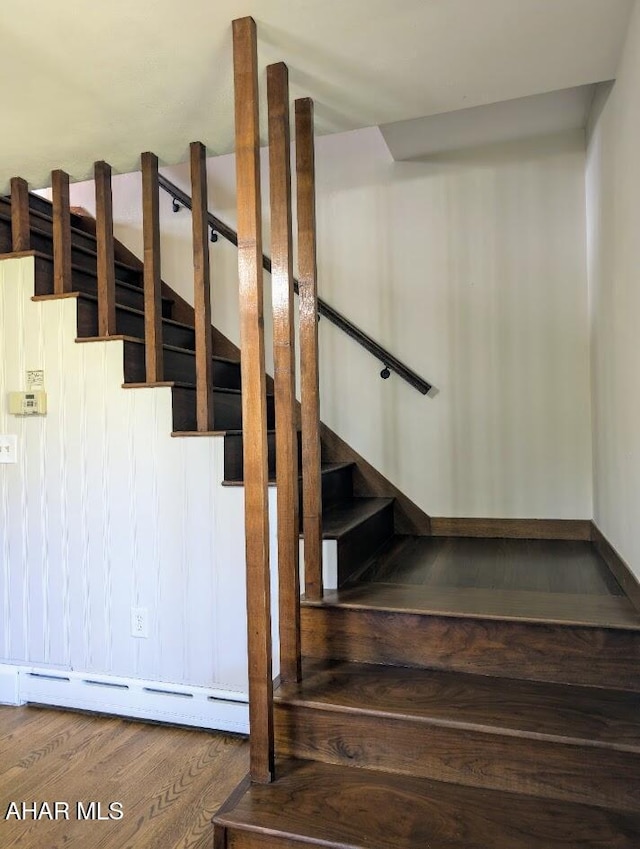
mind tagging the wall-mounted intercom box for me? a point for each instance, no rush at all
(32, 403)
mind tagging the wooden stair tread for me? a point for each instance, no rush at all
(348, 808)
(81, 248)
(615, 612)
(339, 519)
(556, 712)
(325, 469)
(87, 296)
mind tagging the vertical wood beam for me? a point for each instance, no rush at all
(254, 412)
(284, 370)
(61, 232)
(309, 370)
(152, 283)
(202, 289)
(20, 231)
(104, 242)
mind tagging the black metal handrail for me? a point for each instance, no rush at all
(389, 362)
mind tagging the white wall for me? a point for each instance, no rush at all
(613, 178)
(471, 268)
(105, 510)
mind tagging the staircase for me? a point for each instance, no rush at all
(423, 718)
(428, 715)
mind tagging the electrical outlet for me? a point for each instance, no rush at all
(139, 622)
(9, 448)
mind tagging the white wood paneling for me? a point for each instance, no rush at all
(105, 511)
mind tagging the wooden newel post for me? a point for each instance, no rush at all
(20, 231)
(309, 368)
(202, 289)
(284, 370)
(104, 243)
(254, 409)
(61, 232)
(152, 282)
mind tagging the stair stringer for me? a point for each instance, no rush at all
(106, 511)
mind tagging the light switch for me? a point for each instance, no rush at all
(9, 448)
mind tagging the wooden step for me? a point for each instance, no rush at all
(544, 740)
(83, 248)
(179, 367)
(360, 526)
(84, 280)
(337, 807)
(130, 322)
(227, 408)
(487, 632)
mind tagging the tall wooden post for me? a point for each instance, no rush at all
(152, 282)
(254, 409)
(61, 232)
(309, 369)
(20, 230)
(104, 243)
(202, 289)
(284, 370)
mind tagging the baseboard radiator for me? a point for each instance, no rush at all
(200, 707)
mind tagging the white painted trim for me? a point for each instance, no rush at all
(9, 685)
(201, 707)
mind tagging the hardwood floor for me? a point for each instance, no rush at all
(170, 780)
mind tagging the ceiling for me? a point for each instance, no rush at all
(88, 80)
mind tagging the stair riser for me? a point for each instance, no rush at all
(227, 410)
(598, 657)
(233, 456)
(130, 325)
(87, 283)
(510, 762)
(357, 547)
(82, 260)
(337, 485)
(178, 366)
(253, 840)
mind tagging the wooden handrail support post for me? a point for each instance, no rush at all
(104, 242)
(309, 368)
(284, 371)
(254, 409)
(61, 232)
(202, 289)
(20, 231)
(152, 283)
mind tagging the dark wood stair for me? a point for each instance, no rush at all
(317, 804)
(435, 716)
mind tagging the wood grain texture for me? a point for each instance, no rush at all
(282, 296)
(543, 740)
(619, 568)
(152, 278)
(170, 780)
(565, 654)
(104, 246)
(339, 807)
(202, 288)
(61, 232)
(572, 567)
(578, 529)
(20, 230)
(254, 413)
(309, 359)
